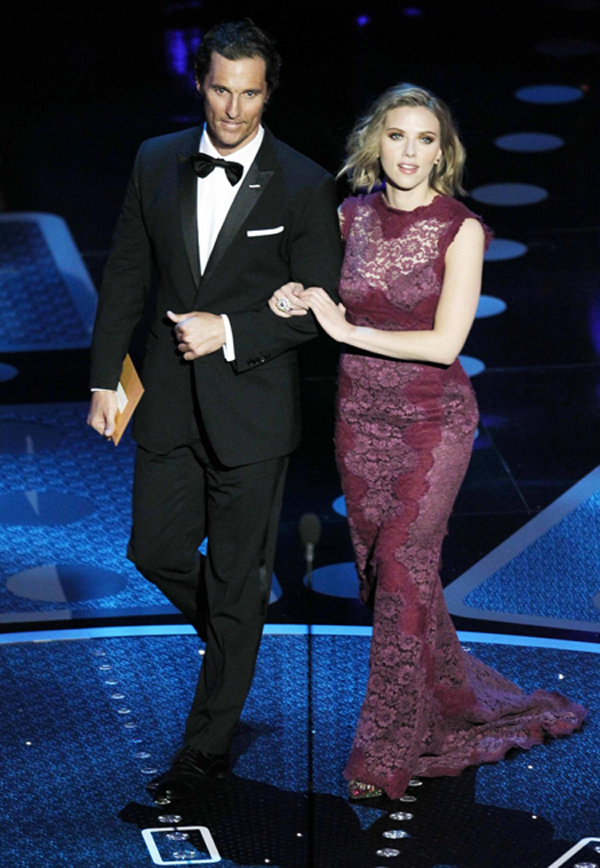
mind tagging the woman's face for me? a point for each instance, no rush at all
(409, 146)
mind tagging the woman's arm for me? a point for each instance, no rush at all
(453, 319)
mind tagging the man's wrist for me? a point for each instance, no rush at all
(228, 344)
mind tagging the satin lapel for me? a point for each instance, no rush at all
(253, 186)
(188, 193)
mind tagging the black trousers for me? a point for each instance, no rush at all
(178, 499)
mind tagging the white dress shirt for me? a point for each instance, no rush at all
(214, 199)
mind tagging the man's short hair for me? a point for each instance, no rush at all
(236, 40)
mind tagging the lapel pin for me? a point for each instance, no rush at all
(254, 186)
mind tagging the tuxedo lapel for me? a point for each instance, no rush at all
(188, 194)
(252, 188)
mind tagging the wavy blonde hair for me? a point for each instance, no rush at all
(362, 147)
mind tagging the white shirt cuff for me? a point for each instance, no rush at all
(229, 345)
(103, 390)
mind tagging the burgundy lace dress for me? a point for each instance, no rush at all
(404, 433)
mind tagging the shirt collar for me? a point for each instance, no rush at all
(245, 155)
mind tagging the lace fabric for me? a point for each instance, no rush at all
(404, 433)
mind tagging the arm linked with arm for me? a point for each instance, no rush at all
(453, 319)
(315, 259)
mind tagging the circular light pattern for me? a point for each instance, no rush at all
(7, 372)
(336, 580)
(43, 508)
(471, 365)
(509, 194)
(529, 143)
(66, 583)
(489, 305)
(567, 46)
(501, 249)
(549, 94)
(339, 505)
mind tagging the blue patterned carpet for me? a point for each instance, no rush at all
(556, 576)
(30, 281)
(92, 720)
(65, 499)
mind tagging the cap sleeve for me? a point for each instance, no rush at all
(459, 218)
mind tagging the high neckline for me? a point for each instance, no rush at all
(419, 209)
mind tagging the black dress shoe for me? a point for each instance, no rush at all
(192, 772)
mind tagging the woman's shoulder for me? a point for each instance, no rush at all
(352, 205)
(456, 209)
(455, 213)
(361, 200)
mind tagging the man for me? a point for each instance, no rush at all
(220, 414)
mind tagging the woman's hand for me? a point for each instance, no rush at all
(288, 301)
(331, 316)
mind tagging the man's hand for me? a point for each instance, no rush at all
(103, 409)
(287, 301)
(198, 333)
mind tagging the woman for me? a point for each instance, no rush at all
(406, 418)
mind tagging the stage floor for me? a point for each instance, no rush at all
(88, 722)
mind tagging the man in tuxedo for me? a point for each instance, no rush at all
(221, 216)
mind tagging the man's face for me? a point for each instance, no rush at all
(235, 93)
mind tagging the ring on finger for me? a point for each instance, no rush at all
(283, 304)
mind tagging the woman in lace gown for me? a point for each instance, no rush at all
(406, 419)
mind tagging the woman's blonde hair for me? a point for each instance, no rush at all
(362, 148)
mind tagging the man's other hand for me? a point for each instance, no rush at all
(103, 409)
(198, 333)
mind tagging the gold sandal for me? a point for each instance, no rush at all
(359, 790)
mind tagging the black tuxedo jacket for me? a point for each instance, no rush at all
(281, 226)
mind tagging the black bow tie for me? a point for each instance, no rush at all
(203, 165)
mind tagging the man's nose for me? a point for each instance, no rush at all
(233, 106)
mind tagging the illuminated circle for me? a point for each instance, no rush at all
(339, 505)
(529, 143)
(336, 580)
(471, 365)
(549, 94)
(65, 583)
(509, 194)
(504, 248)
(489, 305)
(7, 372)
